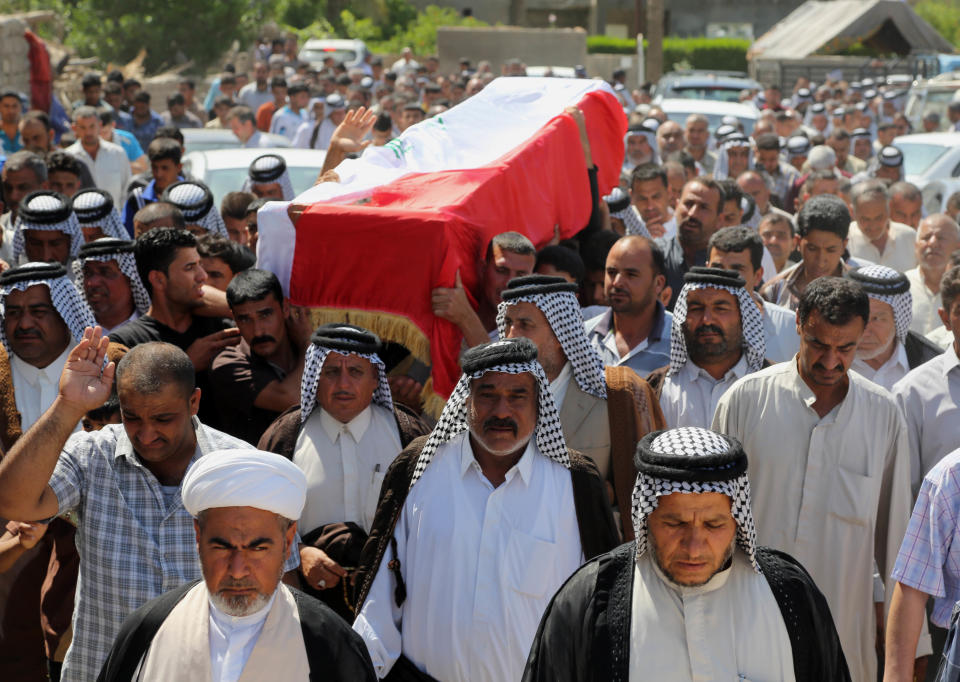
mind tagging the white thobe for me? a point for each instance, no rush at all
(558, 387)
(345, 465)
(480, 564)
(929, 396)
(232, 639)
(925, 304)
(889, 373)
(780, 332)
(690, 397)
(833, 492)
(730, 628)
(34, 389)
(898, 252)
(111, 168)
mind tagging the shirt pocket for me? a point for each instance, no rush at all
(852, 497)
(529, 564)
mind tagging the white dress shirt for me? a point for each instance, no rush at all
(929, 396)
(925, 304)
(898, 252)
(831, 491)
(110, 170)
(780, 332)
(34, 389)
(232, 639)
(480, 564)
(730, 628)
(690, 397)
(345, 465)
(889, 373)
(558, 387)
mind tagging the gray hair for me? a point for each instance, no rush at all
(24, 160)
(869, 191)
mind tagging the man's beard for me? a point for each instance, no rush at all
(727, 558)
(240, 605)
(707, 351)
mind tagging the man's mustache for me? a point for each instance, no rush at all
(709, 329)
(26, 334)
(262, 339)
(498, 423)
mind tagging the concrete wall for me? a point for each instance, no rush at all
(540, 47)
(14, 64)
(690, 17)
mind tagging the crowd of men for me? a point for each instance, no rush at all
(744, 367)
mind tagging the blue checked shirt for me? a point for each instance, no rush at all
(929, 557)
(133, 546)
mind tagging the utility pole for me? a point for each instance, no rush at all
(654, 33)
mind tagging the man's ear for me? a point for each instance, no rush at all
(945, 318)
(158, 281)
(194, 402)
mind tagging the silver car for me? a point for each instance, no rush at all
(225, 170)
(931, 161)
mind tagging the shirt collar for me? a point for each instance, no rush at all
(695, 372)
(950, 356)
(356, 427)
(524, 467)
(51, 372)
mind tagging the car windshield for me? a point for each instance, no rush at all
(223, 180)
(339, 55)
(919, 156)
(713, 92)
(714, 121)
(207, 144)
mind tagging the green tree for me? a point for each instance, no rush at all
(943, 15)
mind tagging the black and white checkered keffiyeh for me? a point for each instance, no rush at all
(621, 207)
(722, 170)
(196, 203)
(269, 169)
(66, 298)
(128, 266)
(94, 207)
(453, 419)
(888, 286)
(565, 317)
(312, 366)
(751, 324)
(691, 459)
(43, 202)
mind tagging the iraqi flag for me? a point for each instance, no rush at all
(406, 217)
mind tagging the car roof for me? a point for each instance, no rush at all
(332, 42)
(215, 159)
(942, 139)
(702, 80)
(708, 106)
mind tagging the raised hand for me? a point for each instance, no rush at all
(356, 125)
(202, 351)
(85, 383)
(451, 303)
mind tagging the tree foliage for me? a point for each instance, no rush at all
(943, 15)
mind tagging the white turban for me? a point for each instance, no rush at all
(245, 478)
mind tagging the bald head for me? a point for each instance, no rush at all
(938, 236)
(753, 184)
(669, 137)
(148, 368)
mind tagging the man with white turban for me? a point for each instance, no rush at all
(478, 524)
(734, 156)
(240, 622)
(121, 484)
(888, 348)
(693, 597)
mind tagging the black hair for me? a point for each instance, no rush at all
(735, 239)
(768, 141)
(237, 257)
(595, 247)
(647, 172)
(563, 259)
(824, 212)
(514, 242)
(60, 162)
(156, 249)
(950, 287)
(838, 301)
(142, 96)
(235, 204)
(37, 115)
(106, 411)
(164, 148)
(155, 365)
(253, 284)
(383, 123)
(169, 131)
(90, 80)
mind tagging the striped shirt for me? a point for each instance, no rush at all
(929, 557)
(133, 544)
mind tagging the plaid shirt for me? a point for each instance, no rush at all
(133, 547)
(781, 181)
(929, 557)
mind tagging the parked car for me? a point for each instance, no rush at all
(350, 52)
(207, 139)
(554, 71)
(679, 109)
(724, 86)
(224, 170)
(933, 95)
(931, 161)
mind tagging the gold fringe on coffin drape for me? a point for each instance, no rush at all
(389, 327)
